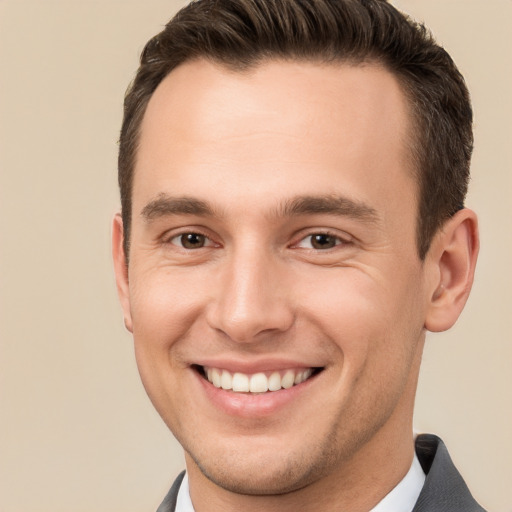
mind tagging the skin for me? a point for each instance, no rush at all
(257, 294)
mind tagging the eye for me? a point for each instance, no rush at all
(320, 241)
(191, 241)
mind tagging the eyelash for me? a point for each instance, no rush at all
(337, 239)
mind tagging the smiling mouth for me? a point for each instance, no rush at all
(261, 382)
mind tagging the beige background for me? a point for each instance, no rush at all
(77, 432)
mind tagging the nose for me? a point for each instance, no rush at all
(252, 298)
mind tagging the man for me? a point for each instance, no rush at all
(292, 180)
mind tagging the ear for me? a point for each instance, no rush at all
(452, 259)
(121, 269)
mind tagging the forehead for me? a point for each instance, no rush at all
(283, 123)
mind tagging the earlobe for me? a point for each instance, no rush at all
(121, 269)
(452, 257)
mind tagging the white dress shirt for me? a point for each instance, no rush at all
(405, 495)
(401, 499)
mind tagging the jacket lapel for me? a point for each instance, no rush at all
(444, 489)
(169, 503)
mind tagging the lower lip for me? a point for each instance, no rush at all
(252, 405)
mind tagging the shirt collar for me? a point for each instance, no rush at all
(183, 502)
(405, 495)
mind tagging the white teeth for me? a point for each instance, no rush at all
(226, 381)
(288, 379)
(215, 380)
(302, 376)
(274, 382)
(257, 382)
(240, 383)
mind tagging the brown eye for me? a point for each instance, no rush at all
(323, 241)
(190, 240)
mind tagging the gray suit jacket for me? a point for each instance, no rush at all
(444, 489)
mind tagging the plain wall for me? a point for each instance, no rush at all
(77, 432)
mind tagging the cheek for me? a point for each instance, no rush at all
(367, 315)
(164, 303)
(346, 301)
(163, 308)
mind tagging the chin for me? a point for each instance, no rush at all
(259, 481)
(273, 473)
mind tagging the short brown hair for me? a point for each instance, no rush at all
(242, 33)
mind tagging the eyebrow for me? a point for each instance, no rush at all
(328, 204)
(165, 205)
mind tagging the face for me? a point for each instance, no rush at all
(274, 290)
